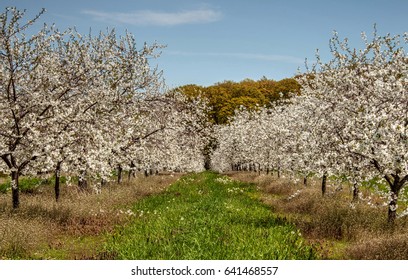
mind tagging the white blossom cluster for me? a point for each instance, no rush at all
(351, 120)
(86, 105)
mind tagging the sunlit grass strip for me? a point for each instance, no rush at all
(206, 216)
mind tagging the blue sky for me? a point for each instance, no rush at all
(211, 41)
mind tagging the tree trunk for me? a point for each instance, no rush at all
(356, 192)
(395, 185)
(120, 169)
(14, 189)
(392, 208)
(207, 162)
(324, 183)
(132, 170)
(57, 181)
(82, 181)
(305, 181)
(278, 172)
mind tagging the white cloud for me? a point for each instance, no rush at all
(239, 55)
(147, 17)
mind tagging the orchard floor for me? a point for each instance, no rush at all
(207, 216)
(76, 226)
(199, 216)
(333, 225)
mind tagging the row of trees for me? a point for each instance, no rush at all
(87, 105)
(350, 120)
(224, 98)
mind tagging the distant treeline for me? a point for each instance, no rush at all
(224, 97)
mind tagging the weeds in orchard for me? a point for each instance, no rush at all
(71, 228)
(338, 228)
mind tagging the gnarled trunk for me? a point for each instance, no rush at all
(392, 208)
(396, 183)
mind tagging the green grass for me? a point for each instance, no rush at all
(206, 216)
(30, 184)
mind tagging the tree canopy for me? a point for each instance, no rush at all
(225, 97)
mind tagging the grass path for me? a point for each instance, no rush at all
(206, 216)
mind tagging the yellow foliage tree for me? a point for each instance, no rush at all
(225, 97)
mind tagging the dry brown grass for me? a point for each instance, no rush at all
(41, 225)
(384, 247)
(337, 229)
